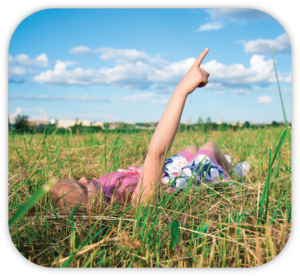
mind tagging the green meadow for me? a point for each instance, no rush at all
(242, 223)
(245, 222)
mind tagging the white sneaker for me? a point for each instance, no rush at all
(228, 158)
(241, 169)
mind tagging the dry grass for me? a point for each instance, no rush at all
(218, 225)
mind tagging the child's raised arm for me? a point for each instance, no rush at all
(166, 130)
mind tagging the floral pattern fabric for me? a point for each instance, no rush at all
(178, 171)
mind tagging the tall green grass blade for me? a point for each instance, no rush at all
(286, 167)
(265, 192)
(279, 146)
(282, 105)
(174, 233)
(278, 167)
(268, 184)
(19, 155)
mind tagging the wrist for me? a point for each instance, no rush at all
(182, 89)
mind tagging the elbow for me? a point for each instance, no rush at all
(156, 152)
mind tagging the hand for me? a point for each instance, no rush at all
(195, 77)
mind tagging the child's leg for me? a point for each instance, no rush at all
(189, 152)
(217, 154)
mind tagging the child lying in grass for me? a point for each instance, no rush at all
(206, 163)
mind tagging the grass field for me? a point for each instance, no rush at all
(243, 223)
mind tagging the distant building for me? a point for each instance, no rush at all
(99, 124)
(37, 122)
(154, 124)
(112, 125)
(145, 127)
(52, 121)
(70, 123)
(237, 124)
(221, 122)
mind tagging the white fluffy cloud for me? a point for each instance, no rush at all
(83, 50)
(68, 63)
(127, 75)
(22, 65)
(137, 70)
(172, 73)
(260, 72)
(211, 26)
(221, 17)
(265, 99)
(125, 55)
(59, 98)
(17, 71)
(12, 116)
(240, 16)
(61, 76)
(288, 79)
(222, 76)
(24, 60)
(262, 46)
(40, 114)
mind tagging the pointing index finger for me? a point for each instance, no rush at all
(199, 60)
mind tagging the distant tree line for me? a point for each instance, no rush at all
(21, 125)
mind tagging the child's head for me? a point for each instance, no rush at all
(69, 193)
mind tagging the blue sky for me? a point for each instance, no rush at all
(123, 64)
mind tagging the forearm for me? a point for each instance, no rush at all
(166, 130)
